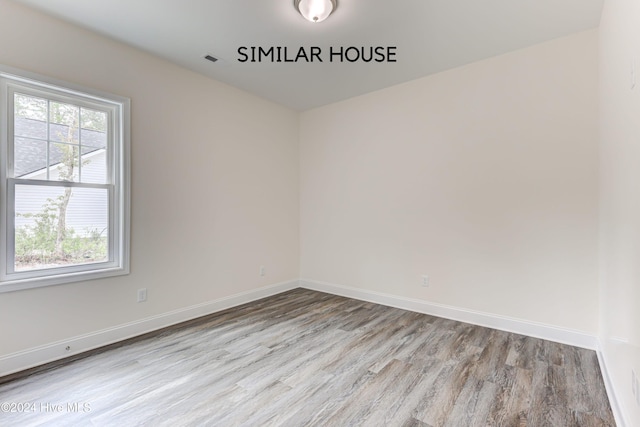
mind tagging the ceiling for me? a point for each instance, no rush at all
(429, 35)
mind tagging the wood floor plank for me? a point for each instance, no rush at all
(306, 358)
(513, 400)
(444, 393)
(368, 397)
(473, 404)
(400, 402)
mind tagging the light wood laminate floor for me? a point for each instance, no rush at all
(308, 358)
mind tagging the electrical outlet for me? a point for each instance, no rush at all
(262, 270)
(142, 295)
(425, 281)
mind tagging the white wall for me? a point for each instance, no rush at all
(483, 177)
(214, 185)
(620, 198)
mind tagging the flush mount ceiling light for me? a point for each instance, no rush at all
(315, 10)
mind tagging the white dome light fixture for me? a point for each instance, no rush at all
(315, 10)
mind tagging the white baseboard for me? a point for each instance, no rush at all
(616, 408)
(30, 358)
(504, 323)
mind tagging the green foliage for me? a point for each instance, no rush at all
(30, 107)
(37, 243)
(93, 120)
(93, 247)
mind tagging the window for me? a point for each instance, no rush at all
(64, 172)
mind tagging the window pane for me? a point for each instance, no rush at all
(30, 107)
(92, 138)
(94, 165)
(30, 128)
(64, 122)
(63, 133)
(57, 227)
(63, 162)
(30, 158)
(93, 120)
(30, 118)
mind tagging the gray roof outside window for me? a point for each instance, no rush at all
(30, 154)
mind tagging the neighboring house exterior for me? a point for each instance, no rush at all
(88, 208)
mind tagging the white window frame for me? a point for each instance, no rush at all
(118, 180)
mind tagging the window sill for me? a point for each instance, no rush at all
(61, 279)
